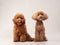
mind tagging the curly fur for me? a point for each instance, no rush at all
(39, 16)
(20, 31)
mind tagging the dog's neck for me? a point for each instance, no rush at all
(39, 22)
(19, 26)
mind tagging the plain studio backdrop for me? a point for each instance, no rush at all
(8, 9)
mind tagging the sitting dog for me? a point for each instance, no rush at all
(20, 31)
(39, 16)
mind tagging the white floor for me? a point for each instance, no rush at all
(30, 43)
(53, 39)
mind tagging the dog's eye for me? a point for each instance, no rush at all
(17, 17)
(21, 18)
(41, 14)
(38, 14)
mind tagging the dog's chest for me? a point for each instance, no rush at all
(39, 26)
(20, 30)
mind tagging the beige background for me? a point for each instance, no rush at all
(8, 9)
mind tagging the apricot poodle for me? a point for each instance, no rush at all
(40, 16)
(20, 31)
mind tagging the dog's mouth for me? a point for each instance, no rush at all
(19, 23)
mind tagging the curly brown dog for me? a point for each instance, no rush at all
(20, 31)
(39, 16)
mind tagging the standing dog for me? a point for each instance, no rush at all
(40, 16)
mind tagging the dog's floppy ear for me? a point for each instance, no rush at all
(34, 16)
(13, 20)
(46, 16)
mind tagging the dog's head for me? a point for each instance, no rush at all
(39, 16)
(19, 19)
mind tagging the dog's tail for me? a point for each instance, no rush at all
(29, 38)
